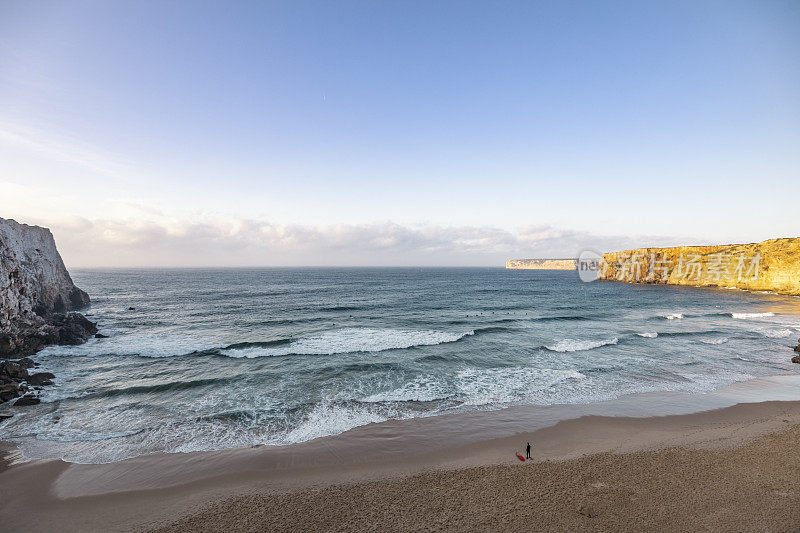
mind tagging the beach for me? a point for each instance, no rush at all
(718, 483)
(734, 468)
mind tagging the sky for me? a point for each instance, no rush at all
(396, 133)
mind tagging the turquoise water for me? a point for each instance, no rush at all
(211, 359)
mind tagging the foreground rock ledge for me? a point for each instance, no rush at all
(37, 303)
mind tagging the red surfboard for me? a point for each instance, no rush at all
(520, 458)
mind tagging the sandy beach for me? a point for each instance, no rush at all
(732, 469)
(753, 487)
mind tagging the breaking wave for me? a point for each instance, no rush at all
(721, 340)
(572, 345)
(346, 340)
(774, 333)
(750, 315)
(476, 386)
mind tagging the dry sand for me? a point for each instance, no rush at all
(752, 488)
(732, 469)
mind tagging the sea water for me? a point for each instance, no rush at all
(206, 359)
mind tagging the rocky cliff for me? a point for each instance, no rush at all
(36, 293)
(772, 265)
(542, 264)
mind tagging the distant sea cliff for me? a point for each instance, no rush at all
(542, 264)
(772, 265)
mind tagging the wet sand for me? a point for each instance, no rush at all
(735, 468)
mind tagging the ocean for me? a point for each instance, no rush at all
(208, 359)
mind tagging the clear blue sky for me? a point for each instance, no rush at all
(397, 132)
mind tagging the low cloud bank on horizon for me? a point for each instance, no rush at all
(244, 242)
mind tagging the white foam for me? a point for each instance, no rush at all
(751, 315)
(774, 333)
(573, 345)
(699, 382)
(422, 389)
(330, 419)
(143, 344)
(721, 340)
(480, 386)
(673, 316)
(648, 334)
(503, 385)
(348, 340)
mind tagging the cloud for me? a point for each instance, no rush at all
(121, 232)
(247, 242)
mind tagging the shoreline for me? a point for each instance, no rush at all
(154, 490)
(399, 438)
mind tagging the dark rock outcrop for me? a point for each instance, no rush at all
(13, 370)
(37, 295)
(9, 391)
(41, 378)
(14, 380)
(37, 307)
(28, 399)
(27, 362)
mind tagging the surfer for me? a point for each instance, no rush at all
(528, 451)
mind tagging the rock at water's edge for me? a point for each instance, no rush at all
(13, 370)
(27, 400)
(42, 378)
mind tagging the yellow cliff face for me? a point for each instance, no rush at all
(772, 265)
(542, 264)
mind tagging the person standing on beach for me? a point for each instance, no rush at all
(528, 451)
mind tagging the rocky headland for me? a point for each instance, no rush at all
(772, 265)
(542, 264)
(37, 307)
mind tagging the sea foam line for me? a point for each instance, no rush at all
(350, 340)
(750, 315)
(574, 345)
